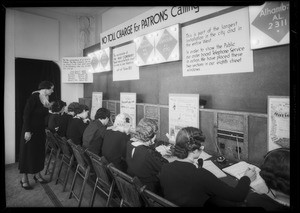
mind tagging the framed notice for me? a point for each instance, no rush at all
(218, 45)
(124, 67)
(76, 70)
(96, 103)
(278, 122)
(128, 105)
(270, 24)
(183, 112)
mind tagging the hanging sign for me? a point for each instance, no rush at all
(76, 70)
(270, 24)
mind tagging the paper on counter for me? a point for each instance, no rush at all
(204, 155)
(210, 166)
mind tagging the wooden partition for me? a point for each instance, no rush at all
(236, 135)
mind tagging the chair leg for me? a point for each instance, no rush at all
(110, 193)
(73, 182)
(68, 173)
(59, 169)
(93, 194)
(86, 176)
(48, 163)
(54, 165)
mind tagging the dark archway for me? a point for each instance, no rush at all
(28, 74)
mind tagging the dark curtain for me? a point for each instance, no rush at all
(28, 74)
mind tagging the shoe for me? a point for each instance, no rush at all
(28, 187)
(40, 180)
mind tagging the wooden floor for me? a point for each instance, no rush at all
(46, 195)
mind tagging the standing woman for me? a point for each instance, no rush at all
(32, 144)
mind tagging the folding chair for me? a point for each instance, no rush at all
(54, 153)
(128, 187)
(104, 182)
(82, 170)
(67, 159)
(153, 200)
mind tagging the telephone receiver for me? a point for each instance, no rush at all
(200, 162)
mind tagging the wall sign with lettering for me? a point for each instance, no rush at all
(96, 103)
(76, 70)
(128, 105)
(218, 45)
(278, 122)
(270, 24)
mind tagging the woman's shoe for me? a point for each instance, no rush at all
(28, 187)
(39, 179)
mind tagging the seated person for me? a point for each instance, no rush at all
(54, 119)
(142, 159)
(275, 170)
(94, 133)
(114, 141)
(78, 124)
(186, 185)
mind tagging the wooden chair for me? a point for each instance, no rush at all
(104, 182)
(82, 170)
(128, 187)
(67, 159)
(153, 200)
(55, 150)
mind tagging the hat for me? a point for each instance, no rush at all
(122, 119)
(146, 129)
(80, 108)
(72, 106)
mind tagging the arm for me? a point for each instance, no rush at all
(216, 187)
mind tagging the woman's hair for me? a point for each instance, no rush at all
(188, 139)
(122, 122)
(80, 108)
(72, 106)
(146, 129)
(45, 85)
(102, 113)
(57, 105)
(275, 170)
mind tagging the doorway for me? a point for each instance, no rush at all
(28, 74)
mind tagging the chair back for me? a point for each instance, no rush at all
(52, 141)
(78, 152)
(100, 166)
(128, 187)
(65, 147)
(153, 200)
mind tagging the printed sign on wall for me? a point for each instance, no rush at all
(278, 122)
(76, 70)
(94, 56)
(123, 63)
(96, 103)
(218, 45)
(270, 24)
(128, 105)
(183, 112)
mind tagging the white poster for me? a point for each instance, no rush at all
(96, 103)
(128, 105)
(95, 65)
(270, 24)
(183, 112)
(123, 63)
(218, 45)
(76, 70)
(278, 122)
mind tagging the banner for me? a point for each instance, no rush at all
(152, 20)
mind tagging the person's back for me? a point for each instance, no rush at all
(114, 148)
(94, 133)
(65, 118)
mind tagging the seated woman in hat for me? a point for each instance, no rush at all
(142, 159)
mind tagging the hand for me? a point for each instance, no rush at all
(27, 136)
(251, 173)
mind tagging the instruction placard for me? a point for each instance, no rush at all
(96, 103)
(218, 45)
(76, 70)
(128, 105)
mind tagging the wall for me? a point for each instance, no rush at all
(237, 92)
(66, 46)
